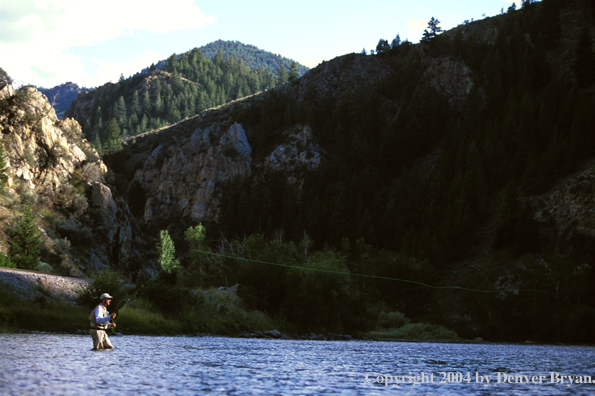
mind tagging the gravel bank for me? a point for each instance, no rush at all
(30, 284)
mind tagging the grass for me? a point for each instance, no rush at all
(42, 314)
(216, 312)
(416, 331)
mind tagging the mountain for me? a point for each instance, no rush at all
(61, 96)
(251, 55)
(449, 182)
(188, 84)
(462, 162)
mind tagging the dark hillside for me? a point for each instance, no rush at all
(449, 158)
(460, 168)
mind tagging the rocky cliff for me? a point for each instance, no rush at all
(183, 180)
(566, 213)
(60, 176)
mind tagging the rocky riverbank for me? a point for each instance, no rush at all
(30, 285)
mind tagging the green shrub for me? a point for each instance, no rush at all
(393, 320)
(103, 282)
(5, 262)
(44, 267)
(76, 232)
(164, 294)
(424, 331)
(137, 318)
(25, 245)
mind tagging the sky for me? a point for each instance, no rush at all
(50, 42)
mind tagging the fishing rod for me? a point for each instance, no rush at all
(131, 297)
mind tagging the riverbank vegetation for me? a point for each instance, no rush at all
(418, 187)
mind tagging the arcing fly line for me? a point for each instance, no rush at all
(363, 275)
(333, 272)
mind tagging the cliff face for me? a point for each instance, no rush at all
(183, 179)
(60, 176)
(37, 144)
(566, 214)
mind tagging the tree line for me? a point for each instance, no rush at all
(424, 183)
(187, 85)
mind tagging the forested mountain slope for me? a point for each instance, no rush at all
(450, 182)
(251, 55)
(439, 163)
(187, 85)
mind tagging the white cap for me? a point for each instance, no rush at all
(105, 295)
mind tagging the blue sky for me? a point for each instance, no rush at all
(49, 42)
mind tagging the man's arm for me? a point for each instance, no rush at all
(99, 319)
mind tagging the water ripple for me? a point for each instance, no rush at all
(45, 364)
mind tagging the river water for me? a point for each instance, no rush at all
(56, 364)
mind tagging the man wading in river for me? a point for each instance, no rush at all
(99, 319)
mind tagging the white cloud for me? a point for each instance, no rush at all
(414, 24)
(110, 71)
(39, 33)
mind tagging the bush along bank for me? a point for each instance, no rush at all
(282, 290)
(214, 311)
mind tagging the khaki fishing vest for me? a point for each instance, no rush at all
(94, 325)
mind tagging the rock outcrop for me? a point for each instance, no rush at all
(566, 215)
(452, 78)
(183, 180)
(300, 150)
(58, 172)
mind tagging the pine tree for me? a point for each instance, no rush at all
(433, 31)
(87, 129)
(25, 246)
(147, 103)
(382, 46)
(282, 75)
(396, 42)
(293, 71)
(119, 111)
(97, 144)
(112, 138)
(134, 105)
(98, 124)
(158, 108)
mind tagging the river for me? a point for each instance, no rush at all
(58, 364)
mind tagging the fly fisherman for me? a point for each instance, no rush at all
(99, 319)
